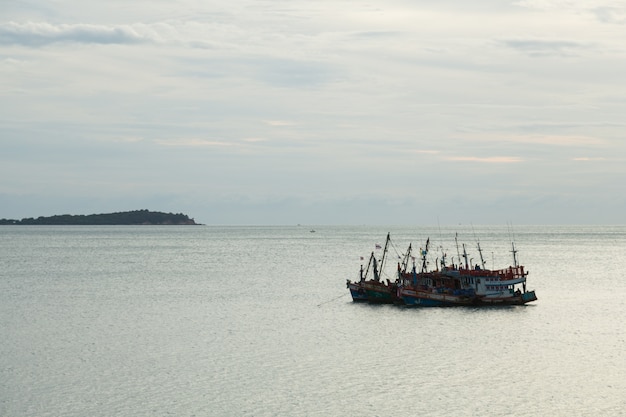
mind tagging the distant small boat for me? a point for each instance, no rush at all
(312, 231)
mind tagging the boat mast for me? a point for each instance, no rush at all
(465, 256)
(368, 266)
(443, 259)
(382, 261)
(480, 251)
(405, 261)
(376, 273)
(514, 252)
(482, 260)
(456, 240)
(424, 253)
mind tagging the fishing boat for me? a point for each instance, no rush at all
(447, 285)
(374, 290)
(433, 289)
(506, 286)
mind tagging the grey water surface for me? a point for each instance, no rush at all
(256, 321)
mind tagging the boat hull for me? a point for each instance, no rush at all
(372, 292)
(518, 299)
(380, 297)
(358, 294)
(434, 299)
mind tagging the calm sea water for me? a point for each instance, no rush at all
(256, 321)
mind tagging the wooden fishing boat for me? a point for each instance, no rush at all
(505, 286)
(434, 288)
(374, 290)
(448, 285)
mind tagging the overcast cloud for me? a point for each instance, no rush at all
(285, 112)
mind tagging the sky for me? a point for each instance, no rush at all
(328, 112)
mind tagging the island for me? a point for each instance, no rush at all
(136, 217)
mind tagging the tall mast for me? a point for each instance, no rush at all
(405, 261)
(376, 273)
(480, 251)
(368, 265)
(443, 259)
(482, 260)
(456, 240)
(382, 261)
(465, 256)
(424, 253)
(514, 252)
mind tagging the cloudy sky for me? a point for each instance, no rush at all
(325, 112)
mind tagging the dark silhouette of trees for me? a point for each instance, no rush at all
(137, 217)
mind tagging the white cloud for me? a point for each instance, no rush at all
(605, 11)
(543, 47)
(194, 143)
(42, 33)
(545, 139)
(586, 158)
(610, 14)
(279, 123)
(328, 101)
(489, 160)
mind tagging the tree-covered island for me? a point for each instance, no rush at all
(136, 217)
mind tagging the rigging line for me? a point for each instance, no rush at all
(509, 225)
(398, 254)
(385, 274)
(329, 301)
(515, 259)
(393, 246)
(439, 225)
(513, 232)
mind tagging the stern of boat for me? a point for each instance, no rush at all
(529, 296)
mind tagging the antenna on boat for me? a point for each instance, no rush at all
(513, 250)
(456, 240)
(439, 225)
(443, 253)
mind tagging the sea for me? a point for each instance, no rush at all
(257, 321)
